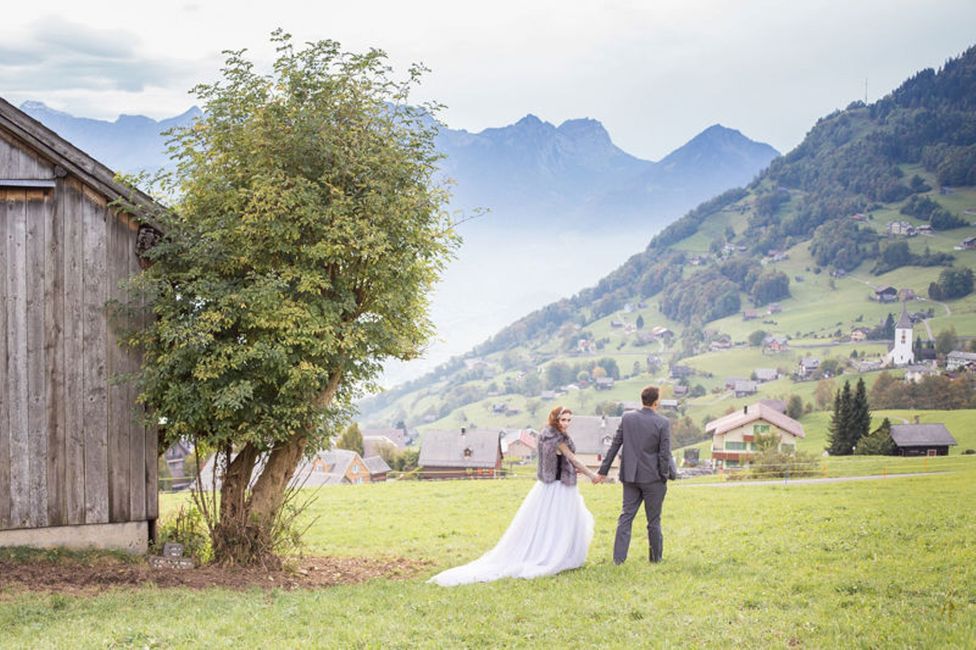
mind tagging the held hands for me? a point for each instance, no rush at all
(598, 478)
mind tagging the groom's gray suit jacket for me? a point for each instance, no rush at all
(645, 438)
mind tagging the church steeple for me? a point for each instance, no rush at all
(904, 321)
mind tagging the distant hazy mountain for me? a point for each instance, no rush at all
(531, 174)
(131, 143)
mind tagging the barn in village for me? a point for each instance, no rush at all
(77, 463)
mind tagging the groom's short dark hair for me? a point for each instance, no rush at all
(649, 395)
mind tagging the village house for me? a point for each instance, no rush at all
(750, 314)
(906, 294)
(959, 360)
(866, 365)
(592, 435)
(333, 467)
(917, 373)
(901, 229)
(733, 435)
(808, 367)
(777, 405)
(766, 374)
(378, 468)
(661, 332)
(520, 444)
(604, 383)
(886, 294)
(921, 439)
(859, 334)
(678, 371)
(680, 390)
(744, 388)
(175, 457)
(669, 404)
(730, 382)
(969, 243)
(774, 308)
(775, 344)
(375, 445)
(78, 464)
(460, 454)
(859, 216)
(615, 323)
(722, 342)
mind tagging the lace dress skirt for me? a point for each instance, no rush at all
(551, 532)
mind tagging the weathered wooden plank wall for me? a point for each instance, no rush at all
(73, 446)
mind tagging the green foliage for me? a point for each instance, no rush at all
(878, 442)
(756, 338)
(187, 527)
(931, 392)
(924, 208)
(840, 435)
(300, 252)
(897, 254)
(843, 245)
(769, 287)
(946, 341)
(953, 283)
(351, 439)
(794, 407)
(704, 297)
(770, 461)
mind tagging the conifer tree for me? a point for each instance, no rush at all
(860, 423)
(878, 442)
(839, 433)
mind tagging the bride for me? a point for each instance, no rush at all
(552, 529)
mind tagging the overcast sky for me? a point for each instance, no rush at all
(655, 72)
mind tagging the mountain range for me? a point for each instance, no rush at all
(530, 175)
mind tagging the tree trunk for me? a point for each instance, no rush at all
(235, 539)
(269, 490)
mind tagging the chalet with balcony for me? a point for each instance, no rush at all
(733, 435)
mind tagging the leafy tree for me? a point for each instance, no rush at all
(351, 439)
(298, 257)
(878, 442)
(946, 341)
(609, 366)
(956, 283)
(756, 338)
(794, 407)
(769, 287)
(639, 323)
(824, 392)
(830, 367)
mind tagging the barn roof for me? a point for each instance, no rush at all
(911, 435)
(590, 433)
(479, 448)
(376, 465)
(73, 160)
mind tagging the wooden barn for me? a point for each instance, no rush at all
(77, 464)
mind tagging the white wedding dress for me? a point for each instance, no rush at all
(551, 532)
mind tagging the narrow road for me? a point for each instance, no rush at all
(805, 481)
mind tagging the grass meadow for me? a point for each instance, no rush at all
(875, 563)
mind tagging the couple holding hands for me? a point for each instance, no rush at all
(552, 530)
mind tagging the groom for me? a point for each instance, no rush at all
(644, 464)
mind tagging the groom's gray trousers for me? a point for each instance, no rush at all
(652, 495)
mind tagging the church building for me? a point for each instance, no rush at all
(901, 354)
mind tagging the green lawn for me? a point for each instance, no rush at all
(879, 563)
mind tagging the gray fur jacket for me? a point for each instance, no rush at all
(551, 462)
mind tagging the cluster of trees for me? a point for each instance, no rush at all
(703, 297)
(932, 392)
(769, 461)
(952, 283)
(851, 419)
(897, 254)
(560, 373)
(688, 225)
(842, 245)
(924, 208)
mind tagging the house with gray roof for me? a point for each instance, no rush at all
(958, 359)
(378, 469)
(592, 435)
(460, 454)
(931, 439)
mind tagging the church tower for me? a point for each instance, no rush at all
(902, 354)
